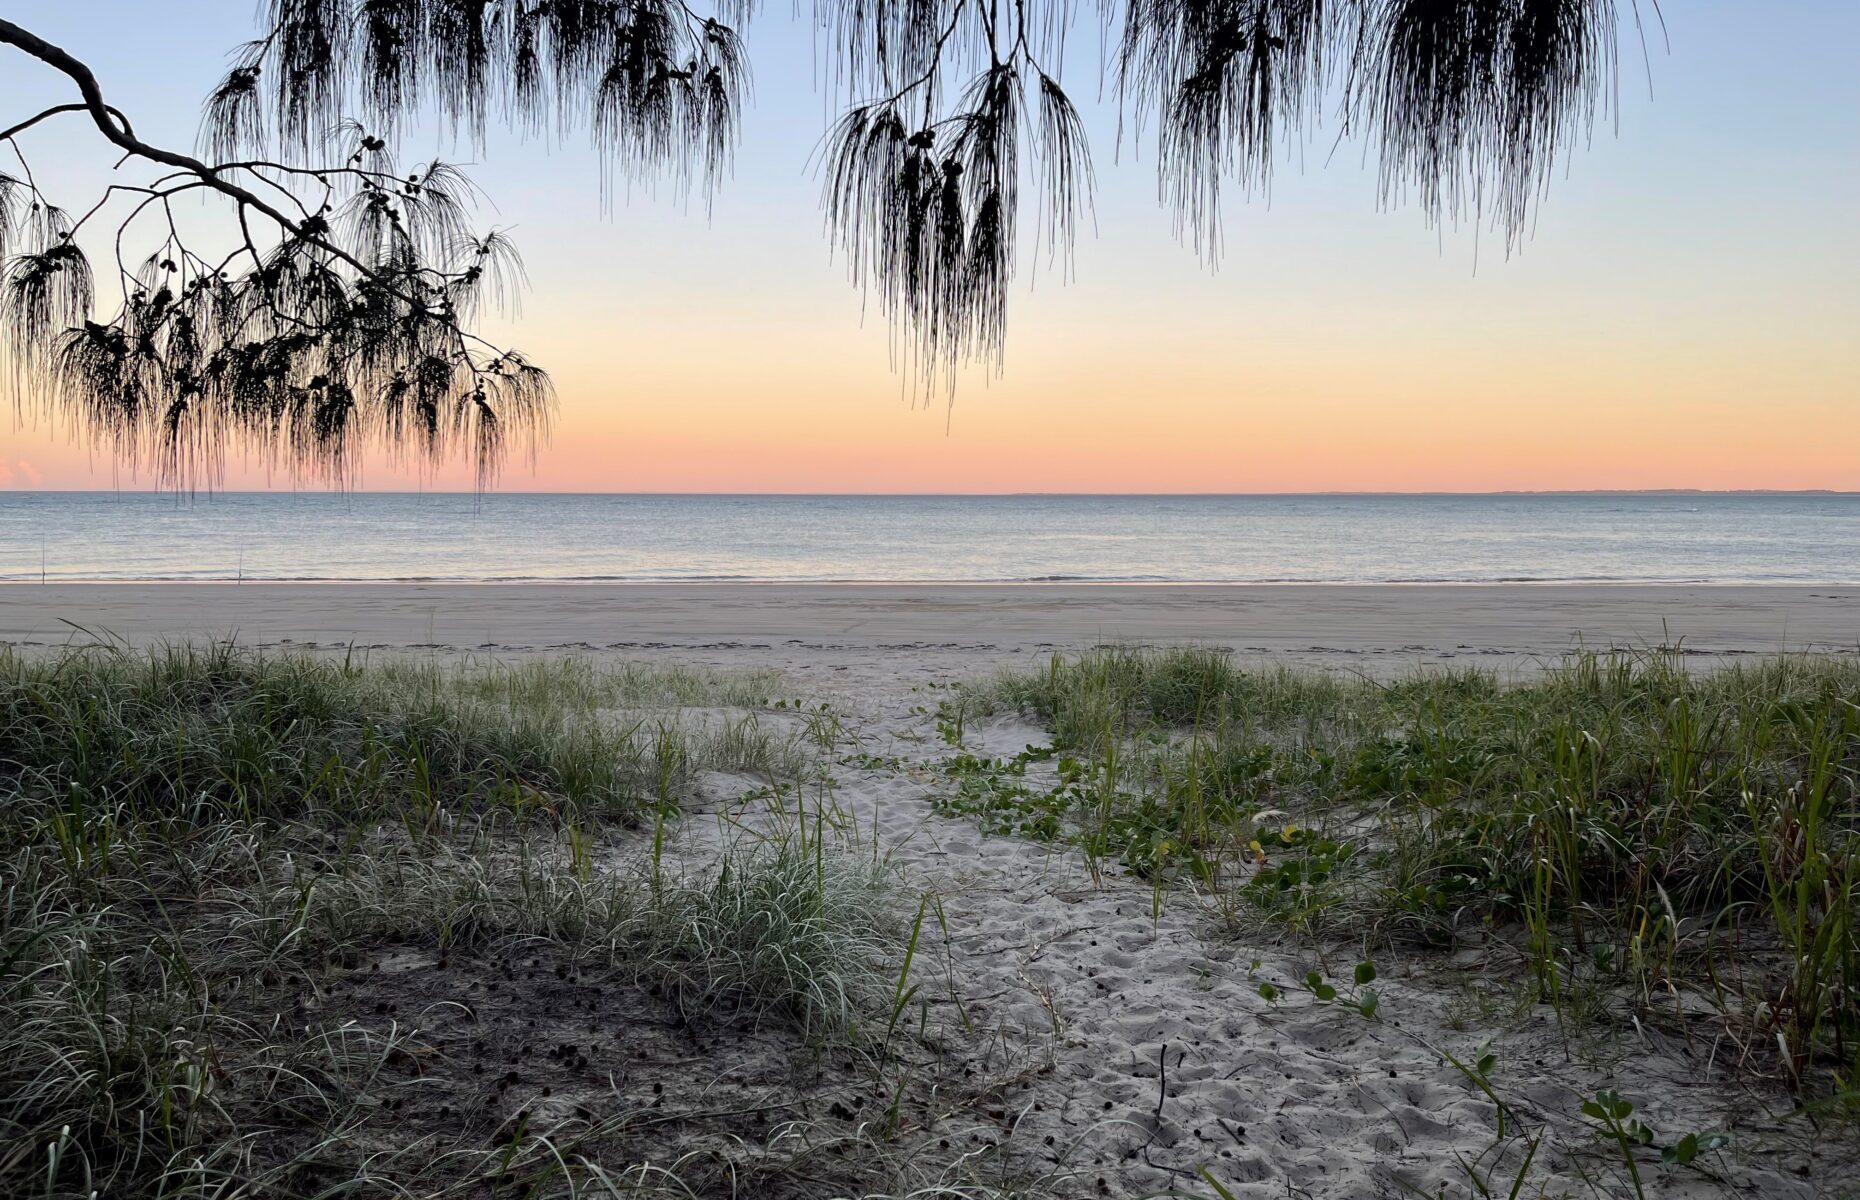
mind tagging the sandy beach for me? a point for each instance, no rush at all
(1122, 1037)
(1347, 626)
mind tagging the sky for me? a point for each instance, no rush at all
(1684, 313)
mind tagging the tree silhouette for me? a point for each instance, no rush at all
(342, 314)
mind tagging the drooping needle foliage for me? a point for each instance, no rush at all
(336, 309)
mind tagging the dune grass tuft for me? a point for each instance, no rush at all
(1626, 823)
(208, 856)
(223, 731)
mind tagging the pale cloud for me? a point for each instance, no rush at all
(6, 476)
(34, 476)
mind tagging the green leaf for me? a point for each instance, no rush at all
(1368, 1002)
(1270, 993)
(1313, 979)
(1219, 1189)
(1591, 1109)
(1325, 992)
(1365, 973)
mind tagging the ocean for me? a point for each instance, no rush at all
(1580, 537)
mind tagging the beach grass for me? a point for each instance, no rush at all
(1642, 836)
(282, 925)
(318, 925)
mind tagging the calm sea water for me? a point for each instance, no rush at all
(1346, 539)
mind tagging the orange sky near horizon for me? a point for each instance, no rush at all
(1098, 423)
(1095, 402)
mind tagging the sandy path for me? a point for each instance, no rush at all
(1089, 980)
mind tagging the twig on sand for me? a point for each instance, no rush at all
(1162, 1080)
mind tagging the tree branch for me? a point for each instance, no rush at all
(102, 116)
(56, 109)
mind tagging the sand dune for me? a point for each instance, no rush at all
(1083, 989)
